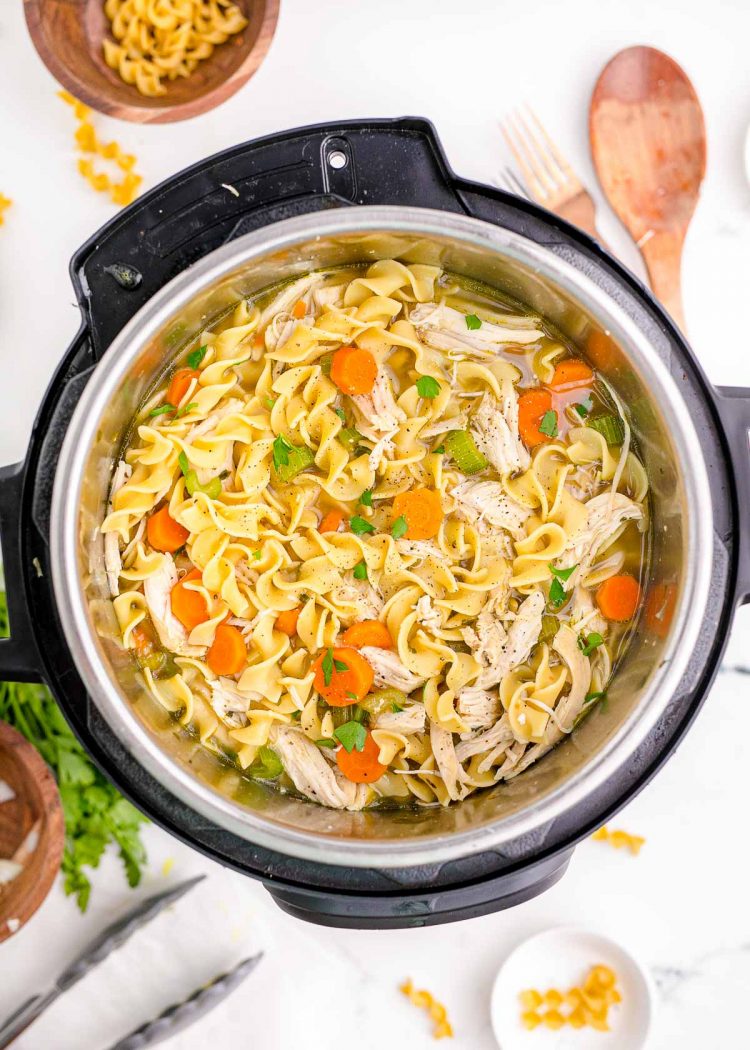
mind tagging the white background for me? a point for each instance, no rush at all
(682, 905)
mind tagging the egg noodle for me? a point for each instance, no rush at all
(378, 537)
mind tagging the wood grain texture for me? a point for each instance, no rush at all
(36, 805)
(68, 35)
(648, 141)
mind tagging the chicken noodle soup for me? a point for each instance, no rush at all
(379, 537)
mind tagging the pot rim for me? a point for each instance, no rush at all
(72, 604)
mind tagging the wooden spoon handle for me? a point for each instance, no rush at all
(662, 253)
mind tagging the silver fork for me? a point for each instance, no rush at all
(547, 177)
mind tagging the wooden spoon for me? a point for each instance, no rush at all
(648, 141)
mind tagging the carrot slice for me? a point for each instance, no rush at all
(361, 767)
(572, 373)
(331, 521)
(368, 632)
(189, 606)
(660, 607)
(531, 409)
(299, 310)
(618, 597)
(180, 384)
(422, 510)
(342, 676)
(286, 621)
(353, 370)
(228, 652)
(164, 533)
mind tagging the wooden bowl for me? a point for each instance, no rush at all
(68, 35)
(36, 807)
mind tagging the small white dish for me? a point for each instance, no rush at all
(561, 958)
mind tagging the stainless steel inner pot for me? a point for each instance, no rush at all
(681, 512)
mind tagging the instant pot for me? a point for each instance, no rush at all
(151, 279)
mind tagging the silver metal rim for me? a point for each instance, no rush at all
(133, 735)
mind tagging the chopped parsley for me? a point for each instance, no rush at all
(399, 528)
(329, 665)
(341, 414)
(360, 570)
(591, 642)
(269, 402)
(428, 387)
(195, 357)
(257, 555)
(184, 463)
(548, 425)
(366, 498)
(557, 593)
(440, 450)
(185, 409)
(590, 697)
(161, 410)
(326, 741)
(281, 450)
(351, 735)
(359, 525)
(473, 322)
(584, 407)
(396, 708)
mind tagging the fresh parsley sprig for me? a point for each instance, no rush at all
(96, 814)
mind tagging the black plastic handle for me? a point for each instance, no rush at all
(252, 185)
(19, 657)
(733, 404)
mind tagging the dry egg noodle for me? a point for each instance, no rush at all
(379, 536)
(158, 40)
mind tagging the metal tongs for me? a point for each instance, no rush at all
(174, 1019)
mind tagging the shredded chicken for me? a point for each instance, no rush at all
(494, 427)
(378, 415)
(447, 761)
(389, 670)
(112, 556)
(328, 295)
(583, 613)
(478, 708)
(500, 734)
(605, 515)
(362, 595)
(158, 590)
(312, 775)
(498, 651)
(418, 549)
(287, 297)
(568, 707)
(229, 703)
(427, 614)
(410, 720)
(487, 501)
(444, 328)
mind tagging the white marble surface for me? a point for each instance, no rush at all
(682, 905)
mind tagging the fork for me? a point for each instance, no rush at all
(547, 177)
